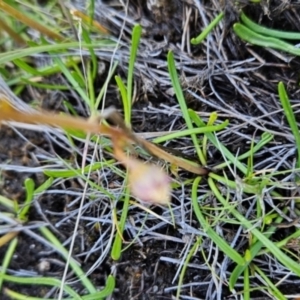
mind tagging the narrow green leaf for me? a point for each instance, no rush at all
(136, 35)
(74, 265)
(123, 92)
(107, 291)
(281, 34)
(19, 53)
(185, 265)
(29, 188)
(187, 132)
(288, 111)
(40, 281)
(75, 80)
(182, 104)
(246, 285)
(117, 244)
(27, 68)
(257, 39)
(271, 286)
(208, 29)
(76, 172)
(224, 247)
(8, 255)
(281, 256)
(44, 186)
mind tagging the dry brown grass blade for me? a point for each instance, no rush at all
(180, 162)
(7, 237)
(156, 151)
(15, 36)
(86, 19)
(18, 15)
(9, 113)
(147, 182)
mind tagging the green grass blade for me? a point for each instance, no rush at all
(281, 256)
(271, 287)
(15, 54)
(104, 87)
(246, 280)
(224, 247)
(265, 139)
(7, 202)
(280, 34)
(44, 186)
(136, 35)
(41, 281)
(91, 11)
(27, 68)
(123, 92)
(293, 236)
(182, 104)
(71, 172)
(43, 71)
(7, 259)
(185, 265)
(213, 139)
(77, 172)
(74, 80)
(245, 187)
(253, 252)
(117, 244)
(187, 132)
(107, 291)
(45, 86)
(257, 39)
(212, 119)
(74, 265)
(197, 40)
(288, 111)
(94, 64)
(29, 188)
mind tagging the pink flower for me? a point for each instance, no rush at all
(149, 183)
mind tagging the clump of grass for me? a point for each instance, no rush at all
(18, 214)
(250, 184)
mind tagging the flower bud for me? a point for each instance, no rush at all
(148, 182)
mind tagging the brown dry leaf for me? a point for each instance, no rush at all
(18, 15)
(148, 182)
(177, 161)
(7, 237)
(86, 19)
(15, 36)
(9, 113)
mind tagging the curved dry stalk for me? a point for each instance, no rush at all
(147, 181)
